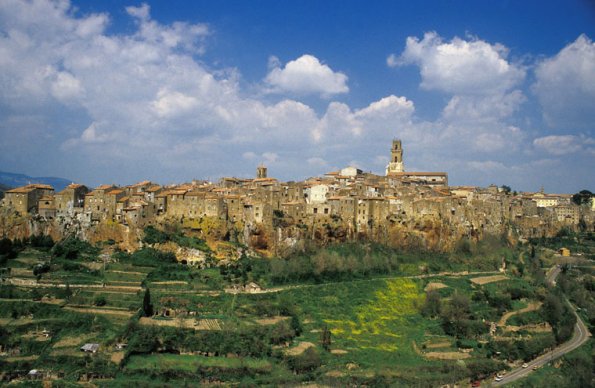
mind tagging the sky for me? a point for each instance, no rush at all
(491, 92)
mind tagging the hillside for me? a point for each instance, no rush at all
(3, 188)
(10, 179)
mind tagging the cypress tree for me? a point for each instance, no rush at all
(147, 305)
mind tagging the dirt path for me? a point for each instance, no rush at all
(122, 313)
(434, 275)
(531, 307)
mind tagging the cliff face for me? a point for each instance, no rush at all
(436, 229)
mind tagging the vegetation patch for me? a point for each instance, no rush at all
(374, 324)
(194, 363)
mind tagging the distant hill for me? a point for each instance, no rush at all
(3, 188)
(12, 180)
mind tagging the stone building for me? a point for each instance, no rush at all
(71, 200)
(25, 199)
(46, 207)
(100, 204)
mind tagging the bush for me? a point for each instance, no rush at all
(148, 257)
(41, 241)
(72, 248)
(100, 300)
(154, 236)
(308, 361)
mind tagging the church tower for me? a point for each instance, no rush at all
(396, 158)
(261, 172)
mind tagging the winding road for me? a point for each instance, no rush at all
(580, 336)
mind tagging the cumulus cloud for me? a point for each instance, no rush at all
(460, 66)
(100, 107)
(565, 85)
(305, 75)
(481, 82)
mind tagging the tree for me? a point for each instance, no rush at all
(296, 325)
(432, 305)
(325, 338)
(67, 291)
(552, 309)
(100, 300)
(147, 305)
(305, 362)
(583, 197)
(506, 189)
(455, 315)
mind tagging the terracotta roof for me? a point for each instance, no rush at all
(41, 186)
(21, 190)
(417, 173)
(29, 188)
(265, 180)
(104, 187)
(143, 183)
(115, 192)
(123, 199)
(153, 189)
(176, 192)
(195, 194)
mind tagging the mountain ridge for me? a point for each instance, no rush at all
(12, 180)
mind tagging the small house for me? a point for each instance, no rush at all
(90, 348)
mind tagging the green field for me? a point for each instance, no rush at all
(367, 323)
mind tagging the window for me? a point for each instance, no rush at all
(326, 211)
(315, 210)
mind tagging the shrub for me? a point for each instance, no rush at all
(71, 248)
(305, 362)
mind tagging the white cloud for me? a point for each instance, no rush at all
(565, 85)
(558, 145)
(107, 107)
(488, 108)
(317, 162)
(305, 75)
(460, 66)
(170, 103)
(66, 87)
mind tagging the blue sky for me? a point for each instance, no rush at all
(116, 92)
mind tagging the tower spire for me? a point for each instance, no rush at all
(396, 158)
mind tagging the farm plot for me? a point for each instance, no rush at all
(192, 363)
(488, 279)
(188, 323)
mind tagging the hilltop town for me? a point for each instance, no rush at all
(399, 208)
(350, 278)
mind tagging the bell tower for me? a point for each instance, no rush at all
(396, 158)
(261, 171)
